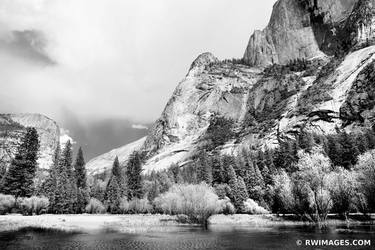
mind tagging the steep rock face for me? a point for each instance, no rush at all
(210, 89)
(291, 34)
(360, 103)
(361, 24)
(260, 108)
(12, 129)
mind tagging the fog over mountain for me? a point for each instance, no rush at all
(101, 135)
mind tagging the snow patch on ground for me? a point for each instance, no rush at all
(172, 154)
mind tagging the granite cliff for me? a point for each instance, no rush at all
(270, 96)
(13, 128)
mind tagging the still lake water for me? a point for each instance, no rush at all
(187, 238)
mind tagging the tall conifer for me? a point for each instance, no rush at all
(133, 175)
(66, 188)
(19, 178)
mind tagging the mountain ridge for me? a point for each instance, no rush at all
(274, 93)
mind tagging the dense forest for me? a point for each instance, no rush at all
(309, 176)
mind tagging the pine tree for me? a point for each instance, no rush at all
(334, 150)
(83, 198)
(121, 180)
(115, 188)
(116, 169)
(80, 171)
(370, 138)
(154, 191)
(19, 179)
(268, 155)
(3, 171)
(113, 195)
(66, 188)
(176, 173)
(50, 185)
(207, 176)
(98, 190)
(133, 174)
(242, 191)
(350, 151)
(227, 162)
(204, 169)
(232, 182)
(259, 177)
(217, 170)
(255, 183)
(267, 176)
(80, 176)
(261, 159)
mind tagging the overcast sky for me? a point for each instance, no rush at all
(112, 59)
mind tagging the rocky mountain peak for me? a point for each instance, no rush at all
(200, 63)
(297, 29)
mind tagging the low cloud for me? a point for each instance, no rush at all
(65, 137)
(139, 126)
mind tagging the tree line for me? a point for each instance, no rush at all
(309, 176)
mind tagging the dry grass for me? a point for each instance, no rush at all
(266, 220)
(87, 222)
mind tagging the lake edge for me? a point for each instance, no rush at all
(148, 223)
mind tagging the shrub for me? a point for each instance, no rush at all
(95, 207)
(343, 187)
(222, 190)
(135, 206)
(198, 202)
(282, 189)
(227, 207)
(124, 206)
(251, 207)
(366, 175)
(34, 205)
(7, 202)
(311, 186)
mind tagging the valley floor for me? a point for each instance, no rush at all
(150, 223)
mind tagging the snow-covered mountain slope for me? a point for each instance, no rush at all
(227, 106)
(104, 162)
(12, 129)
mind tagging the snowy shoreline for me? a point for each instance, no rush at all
(146, 223)
(90, 223)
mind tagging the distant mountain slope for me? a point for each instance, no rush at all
(104, 162)
(12, 129)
